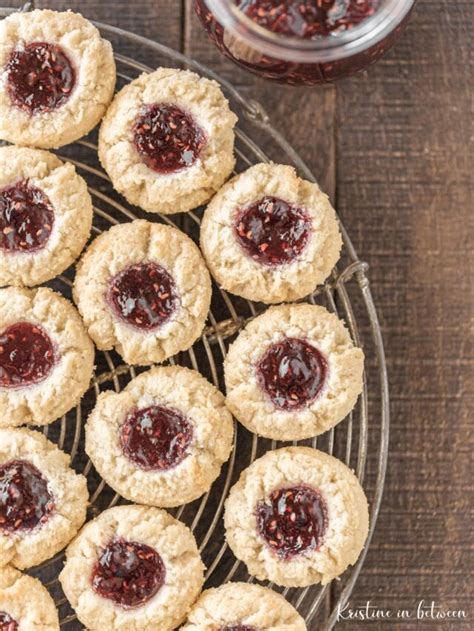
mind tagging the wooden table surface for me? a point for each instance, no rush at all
(391, 147)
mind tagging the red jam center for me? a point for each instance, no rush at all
(40, 77)
(25, 500)
(7, 623)
(167, 138)
(129, 573)
(156, 438)
(26, 355)
(272, 231)
(292, 373)
(292, 520)
(307, 19)
(26, 218)
(144, 295)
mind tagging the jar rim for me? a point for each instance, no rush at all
(331, 48)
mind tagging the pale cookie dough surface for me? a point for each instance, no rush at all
(348, 516)
(72, 207)
(186, 188)
(240, 274)
(27, 601)
(179, 389)
(27, 548)
(171, 539)
(245, 604)
(62, 389)
(129, 244)
(93, 62)
(252, 406)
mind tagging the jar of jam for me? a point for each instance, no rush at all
(304, 41)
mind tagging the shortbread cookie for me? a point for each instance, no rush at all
(242, 606)
(45, 216)
(270, 236)
(297, 516)
(293, 373)
(46, 356)
(25, 604)
(57, 77)
(143, 289)
(167, 141)
(162, 440)
(132, 568)
(42, 501)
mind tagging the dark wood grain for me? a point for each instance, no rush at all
(151, 18)
(404, 191)
(392, 148)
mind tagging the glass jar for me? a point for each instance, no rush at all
(301, 60)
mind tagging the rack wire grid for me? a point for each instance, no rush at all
(346, 293)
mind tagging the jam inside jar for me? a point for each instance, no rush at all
(303, 42)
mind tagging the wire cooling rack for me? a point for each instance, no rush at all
(346, 293)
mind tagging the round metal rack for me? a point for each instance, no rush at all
(346, 293)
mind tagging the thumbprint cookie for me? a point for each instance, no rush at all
(42, 501)
(143, 289)
(270, 236)
(293, 373)
(45, 216)
(25, 604)
(297, 516)
(243, 607)
(163, 439)
(46, 356)
(167, 141)
(57, 77)
(132, 568)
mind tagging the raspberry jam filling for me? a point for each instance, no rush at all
(127, 572)
(40, 78)
(7, 623)
(156, 438)
(144, 295)
(271, 231)
(292, 373)
(307, 19)
(25, 500)
(26, 218)
(167, 138)
(292, 520)
(237, 627)
(26, 355)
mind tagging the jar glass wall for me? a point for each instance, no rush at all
(313, 50)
